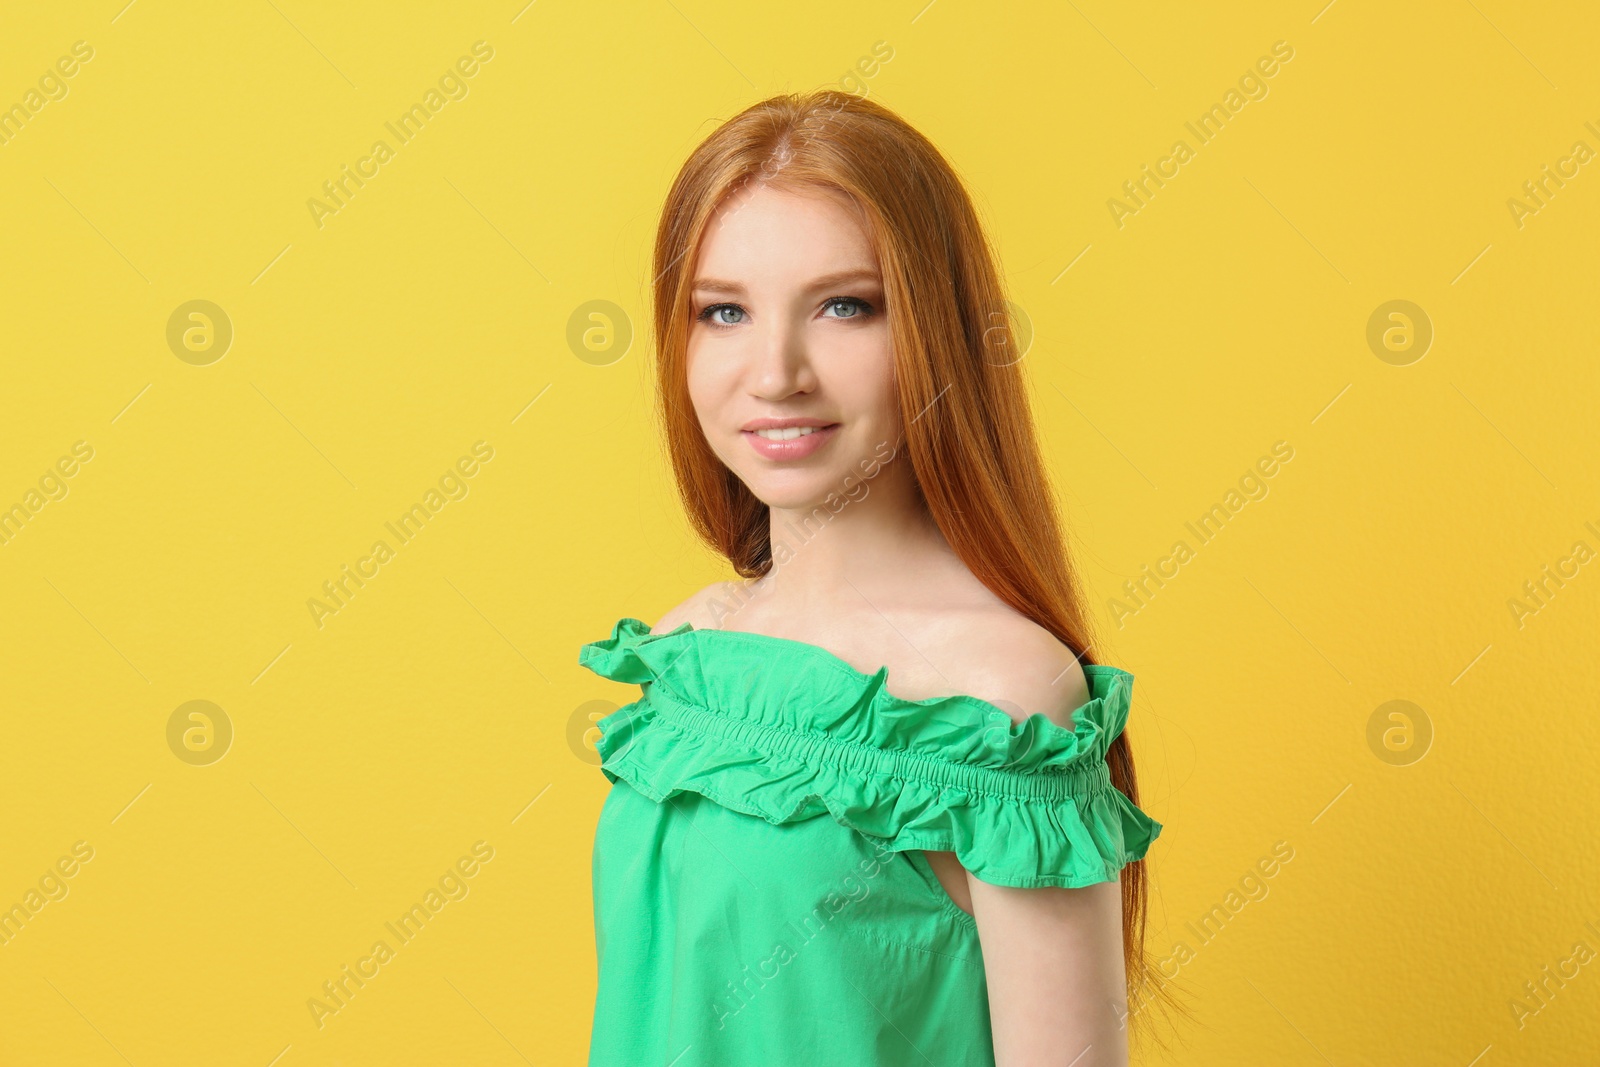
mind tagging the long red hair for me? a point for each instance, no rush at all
(968, 429)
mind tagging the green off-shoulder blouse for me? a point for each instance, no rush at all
(760, 890)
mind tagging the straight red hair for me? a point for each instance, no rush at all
(968, 428)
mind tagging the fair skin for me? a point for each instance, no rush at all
(784, 336)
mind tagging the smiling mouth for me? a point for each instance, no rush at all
(781, 444)
(788, 433)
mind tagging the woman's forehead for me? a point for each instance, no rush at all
(793, 234)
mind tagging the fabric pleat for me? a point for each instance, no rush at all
(788, 731)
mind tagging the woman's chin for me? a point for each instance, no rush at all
(799, 490)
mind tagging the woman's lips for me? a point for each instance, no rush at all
(794, 448)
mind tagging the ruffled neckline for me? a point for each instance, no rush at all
(787, 730)
(752, 676)
(1101, 678)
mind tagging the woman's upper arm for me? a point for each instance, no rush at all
(1053, 961)
(1053, 957)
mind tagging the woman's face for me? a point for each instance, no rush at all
(789, 361)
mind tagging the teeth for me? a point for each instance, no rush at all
(788, 433)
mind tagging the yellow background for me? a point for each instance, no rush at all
(438, 707)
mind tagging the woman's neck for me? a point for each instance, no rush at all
(877, 538)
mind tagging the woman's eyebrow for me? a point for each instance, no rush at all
(714, 285)
(827, 281)
(845, 277)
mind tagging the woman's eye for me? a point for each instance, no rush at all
(855, 307)
(713, 314)
(845, 307)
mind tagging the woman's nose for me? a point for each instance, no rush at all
(781, 362)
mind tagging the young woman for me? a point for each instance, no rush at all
(874, 805)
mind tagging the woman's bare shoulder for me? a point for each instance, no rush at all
(1014, 662)
(705, 609)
